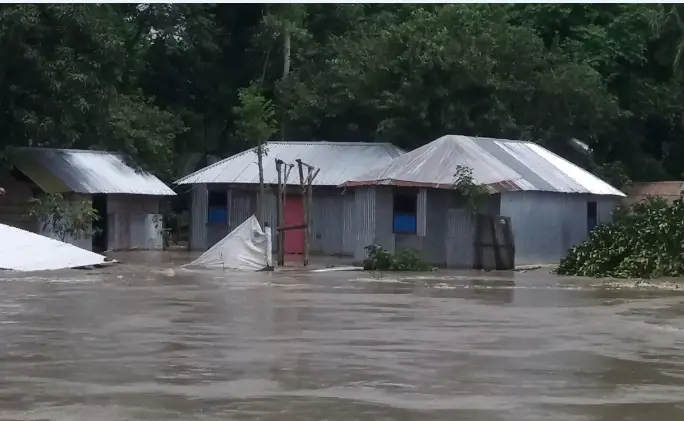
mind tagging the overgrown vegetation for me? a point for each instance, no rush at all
(464, 183)
(72, 219)
(404, 260)
(162, 81)
(646, 240)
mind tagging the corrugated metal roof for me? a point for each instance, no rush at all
(88, 172)
(668, 190)
(25, 251)
(503, 165)
(338, 161)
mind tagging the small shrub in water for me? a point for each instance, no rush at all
(380, 259)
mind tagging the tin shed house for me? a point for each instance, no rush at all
(128, 197)
(224, 194)
(411, 201)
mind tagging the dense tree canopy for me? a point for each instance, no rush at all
(162, 80)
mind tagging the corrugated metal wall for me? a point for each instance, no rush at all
(243, 206)
(460, 237)
(546, 225)
(327, 224)
(365, 211)
(271, 215)
(421, 213)
(134, 222)
(384, 204)
(15, 206)
(349, 223)
(198, 217)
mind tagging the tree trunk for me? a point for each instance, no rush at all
(287, 55)
(287, 52)
(260, 198)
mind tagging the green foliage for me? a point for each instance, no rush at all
(404, 260)
(71, 219)
(159, 81)
(466, 186)
(255, 116)
(646, 240)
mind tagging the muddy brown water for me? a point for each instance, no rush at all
(135, 344)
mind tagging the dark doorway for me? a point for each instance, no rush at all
(100, 224)
(592, 216)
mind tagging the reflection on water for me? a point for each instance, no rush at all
(141, 345)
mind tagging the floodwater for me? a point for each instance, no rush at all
(142, 345)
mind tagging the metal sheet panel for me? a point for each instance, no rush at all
(545, 225)
(21, 250)
(421, 213)
(502, 165)
(348, 223)
(364, 208)
(460, 237)
(384, 207)
(198, 217)
(271, 215)
(81, 171)
(327, 224)
(138, 227)
(338, 162)
(243, 206)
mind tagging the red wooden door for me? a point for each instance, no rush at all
(293, 214)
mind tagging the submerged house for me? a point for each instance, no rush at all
(411, 201)
(129, 197)
(224, 194)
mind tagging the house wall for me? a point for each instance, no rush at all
(14, 204)
(198, 217)
(444, 228)
(134, 222)
(546, 225)
(330, 232)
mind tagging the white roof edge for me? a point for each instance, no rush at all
(182, 180)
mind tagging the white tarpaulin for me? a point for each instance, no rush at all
(25, 251)
(245, 248)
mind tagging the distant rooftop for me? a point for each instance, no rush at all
(84, 171)
(502, 165)
(668, 190)
(338, 161)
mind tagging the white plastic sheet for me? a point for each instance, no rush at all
(25, 251)
(245, 248)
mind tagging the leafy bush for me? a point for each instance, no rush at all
(64, 218)
(645, 240)
(403, 260)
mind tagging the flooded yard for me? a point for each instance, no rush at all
(136, 343)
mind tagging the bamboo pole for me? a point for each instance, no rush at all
(305, 218)
(279, 212)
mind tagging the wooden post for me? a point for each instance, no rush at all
(279, 211)
(282, 194)
(309, 200)
(305, 217)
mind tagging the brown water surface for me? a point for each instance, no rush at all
(135, 344)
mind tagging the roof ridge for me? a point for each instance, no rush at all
(285, 142)
(328, 142)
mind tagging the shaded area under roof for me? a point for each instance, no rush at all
(668, 190)
(338, 161)
(502, 165)
(87, 172)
